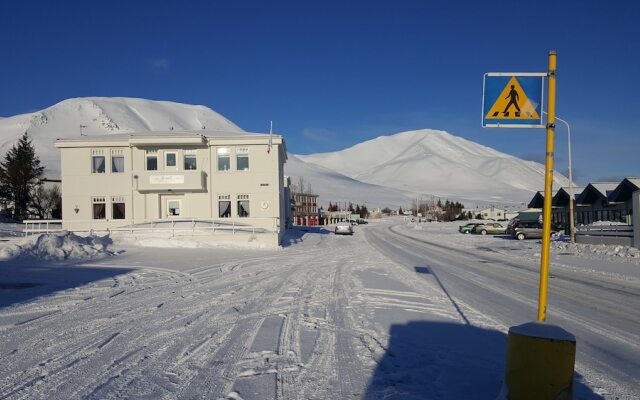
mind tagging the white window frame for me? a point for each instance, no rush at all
(243, 152)
(117, 153)
(224, 151)
(98, 200)
(243, 197)
(118, 200)
(150, 154)
(225, 197)
(98, 153)
(190, 154)
(175, 160)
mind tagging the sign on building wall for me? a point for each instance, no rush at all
(166, 179)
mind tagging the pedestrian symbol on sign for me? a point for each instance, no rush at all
(513, 100)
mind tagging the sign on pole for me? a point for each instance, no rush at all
(513, 100)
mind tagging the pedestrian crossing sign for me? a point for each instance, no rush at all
(513, 100)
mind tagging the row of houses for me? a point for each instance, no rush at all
(596, 202)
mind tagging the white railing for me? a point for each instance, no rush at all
(605, 230)
(193, 226)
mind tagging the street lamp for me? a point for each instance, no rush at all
(572, 233)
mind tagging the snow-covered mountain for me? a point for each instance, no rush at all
(335, 187)
(438, 163)
(103, 115)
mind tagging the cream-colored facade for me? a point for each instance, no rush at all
(122, 180)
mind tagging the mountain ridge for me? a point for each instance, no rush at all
(438, 163)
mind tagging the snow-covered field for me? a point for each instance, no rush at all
(397, 311)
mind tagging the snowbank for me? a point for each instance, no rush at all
(57, 246)
(581, 249)
(189, 242)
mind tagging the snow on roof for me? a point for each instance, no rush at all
(542, 330)
(604, 187)
(624, 190)
(635, 181)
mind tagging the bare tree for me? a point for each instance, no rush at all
(302, 186)
(45, 202)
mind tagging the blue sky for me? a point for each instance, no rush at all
(334, 73)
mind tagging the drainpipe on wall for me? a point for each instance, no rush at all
(131, 174)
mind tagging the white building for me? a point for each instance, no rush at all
(235, 179)
(493, 213)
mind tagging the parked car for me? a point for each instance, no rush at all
(511, 225)
(343, 228)
(468, 227)
(491, 228)
(529, 230)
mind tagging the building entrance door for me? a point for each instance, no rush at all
(172, 206)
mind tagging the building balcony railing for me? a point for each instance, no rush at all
(152, 181)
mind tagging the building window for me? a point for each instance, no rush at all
(97, 162)
(170, 160)
(224, 162)
(173, 208)
(190, 160)
(99, 208)
(117, 161)
(243, 205)
(152, 160)
(242, 159)
(118, 207)
(224, 206)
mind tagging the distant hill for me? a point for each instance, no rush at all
(438, 163)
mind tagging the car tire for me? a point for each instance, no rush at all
(520, 236)
(483, 232)
(466, 232)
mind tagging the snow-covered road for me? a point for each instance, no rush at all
(500, 282)
(386, 314)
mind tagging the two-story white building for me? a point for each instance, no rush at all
(135, 179)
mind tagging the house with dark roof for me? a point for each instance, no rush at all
(538, 199)
(595, 204)
(560, 206)
(623, 193)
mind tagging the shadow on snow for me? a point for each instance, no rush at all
(440, 360)
(24, 279)
(295, 234)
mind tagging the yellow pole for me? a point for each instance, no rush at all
(548, 183)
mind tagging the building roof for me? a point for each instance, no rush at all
(538, 199)
(625, 189)
(155, 138)
(561, 198)
(177, 134)
(595, 191)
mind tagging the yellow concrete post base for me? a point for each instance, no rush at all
(540, 363)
